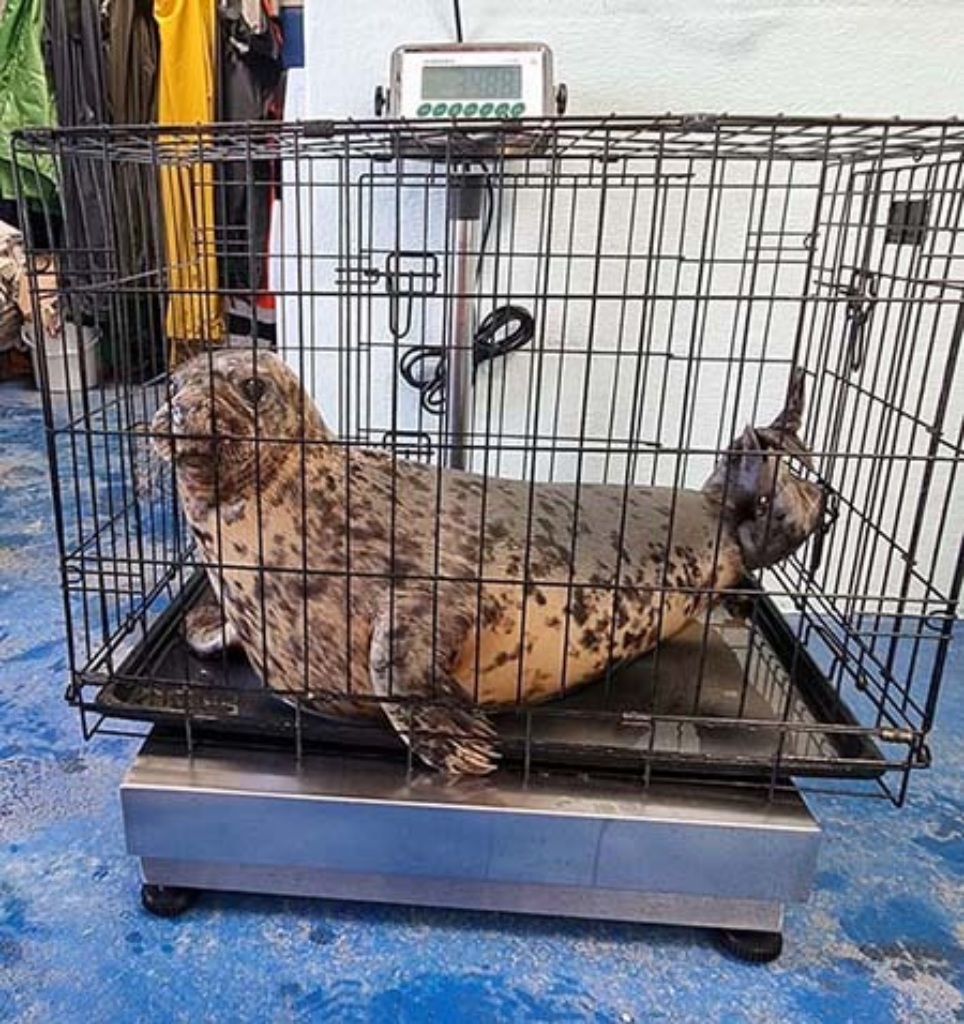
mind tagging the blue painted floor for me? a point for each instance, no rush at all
(881, 940)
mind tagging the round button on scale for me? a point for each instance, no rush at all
(518, 109)
(439, 110)
(424, 110)
(455, 109)
(502, 110)
(471, 109)
(485, 110)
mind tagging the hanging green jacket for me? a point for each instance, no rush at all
(25, 98)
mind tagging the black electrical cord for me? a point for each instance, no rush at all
(424, 367)
(489, 211)
(458, 20)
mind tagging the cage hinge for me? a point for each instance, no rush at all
(319, 129)
(700, 122)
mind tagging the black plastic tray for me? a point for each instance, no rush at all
(612, 725)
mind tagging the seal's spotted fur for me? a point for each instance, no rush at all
(347, 574)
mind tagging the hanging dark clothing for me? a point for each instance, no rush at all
(131, 87)
(132, 66)
(75, 61)
(74, 53)
(250, 83)
(132, 74)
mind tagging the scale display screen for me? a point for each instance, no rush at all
(485, 81)
(467, 82)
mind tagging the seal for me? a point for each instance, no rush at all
(359, 584)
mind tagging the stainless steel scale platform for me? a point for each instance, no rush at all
(239, 813)
(362, 829)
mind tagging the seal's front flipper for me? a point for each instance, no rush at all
(206, 629)
(427, 710)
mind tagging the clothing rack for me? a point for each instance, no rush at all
(89, 63)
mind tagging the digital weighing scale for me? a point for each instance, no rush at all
(456, 84)
(227, 816)
(471, 81)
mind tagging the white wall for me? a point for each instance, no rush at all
(859, 57)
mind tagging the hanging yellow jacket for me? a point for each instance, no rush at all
(186, 83)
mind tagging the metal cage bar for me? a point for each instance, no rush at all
(663, 276)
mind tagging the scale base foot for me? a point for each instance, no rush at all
(751, 947)
(167, 900)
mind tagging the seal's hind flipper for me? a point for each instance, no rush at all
(425, 707)
(790, 416)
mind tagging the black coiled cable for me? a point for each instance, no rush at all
(423, 367)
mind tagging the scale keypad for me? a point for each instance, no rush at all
(460, 109)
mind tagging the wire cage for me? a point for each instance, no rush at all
(593, 309)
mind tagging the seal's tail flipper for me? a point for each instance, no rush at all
(427, 710)
(783, 434)
(790, 418)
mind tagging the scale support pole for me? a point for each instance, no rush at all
(465, 215)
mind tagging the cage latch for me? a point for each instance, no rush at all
(408, 275)
(907, 222)
(891, 735)
(409, 444)
(635, 720)
(829, 515)
(862, 296)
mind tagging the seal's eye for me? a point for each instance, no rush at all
(253, 389)
(763, 502)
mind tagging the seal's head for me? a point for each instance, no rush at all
(231, 418)
(770, 507)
